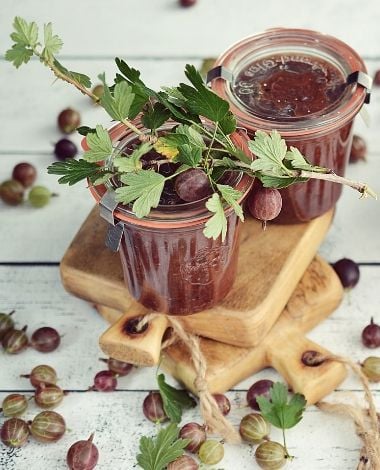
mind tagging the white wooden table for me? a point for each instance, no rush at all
(158, 37)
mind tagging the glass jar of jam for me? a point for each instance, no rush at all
(296, 81)
(169, 265)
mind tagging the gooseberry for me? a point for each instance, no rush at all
(25, 173)
(42, 374)
(187, 3)
(12, 192)
(39, 196)
(261, 387)
(14, 432)
(118, 367)
(371, 335)
(14, 341)
(45, 339)
(254, 428)
(348, 272)
(64, 148)
(48, 426)
(48, 396)
(195, 433)
(192, 185)
(68, 120)
(264, 204)
(104, 381)
(83, 455)
(223, 403)
(6, 323)
(98, 90)
(153, 408)
(358, 149)
(14, 405)
(211, 452)
(271, 455)
(371, 368)
(185, 462)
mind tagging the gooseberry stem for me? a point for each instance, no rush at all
(334, 178)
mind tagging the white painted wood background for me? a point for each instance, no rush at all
(159, 38)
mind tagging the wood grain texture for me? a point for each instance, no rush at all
(270, 265)
(320, 442)
(316, 296)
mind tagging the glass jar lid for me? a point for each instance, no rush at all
(293, 80)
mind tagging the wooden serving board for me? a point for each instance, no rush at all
(271, 263)
(316, 296)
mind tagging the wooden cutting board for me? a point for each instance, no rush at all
(271, 263)
(316, 296)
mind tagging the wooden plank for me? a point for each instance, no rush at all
(206, 29)
(37, 130)
(353, 232)
(320, 441)
(44, 302)
(316, 296)
(273, 261)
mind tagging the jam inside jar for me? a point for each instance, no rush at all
(295, 81)
(168, 264)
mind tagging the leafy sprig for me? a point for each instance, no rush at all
(282, 410)
(201, 140)
(157, 453)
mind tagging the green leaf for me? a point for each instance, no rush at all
(279, 410)
(217, 224)
(118, 105)
(144, 187)
(18, 55)
(52, 43)
(84, 130)
(174, 400)
(270, 151)
(225, 162)
(177, 112)
(128, 163)
(174, 96)
(228, 123)
(78, 77)
(195, 138)
(73, 171)
(189, 155)
(169, 144)
(155, 116)
(157, 453)
(200, 100)
(299, 162)
(100, 145)
(231, 196)
(25, 33)
(278, 182)
(141, 91)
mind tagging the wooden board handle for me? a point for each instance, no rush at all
(285, 355)
(144, 348)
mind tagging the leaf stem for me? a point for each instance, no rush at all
(334, 178)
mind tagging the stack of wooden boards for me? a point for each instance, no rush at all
(282, 290)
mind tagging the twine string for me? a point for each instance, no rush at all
(211, 414)
(366, 429)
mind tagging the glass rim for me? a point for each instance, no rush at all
(169, 216)
(285, 39)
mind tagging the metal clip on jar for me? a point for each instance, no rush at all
(308, 86)
(168, 264)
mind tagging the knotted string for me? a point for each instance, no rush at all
(211, 414)
(366, 420)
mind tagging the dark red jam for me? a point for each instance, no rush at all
(287, 87)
